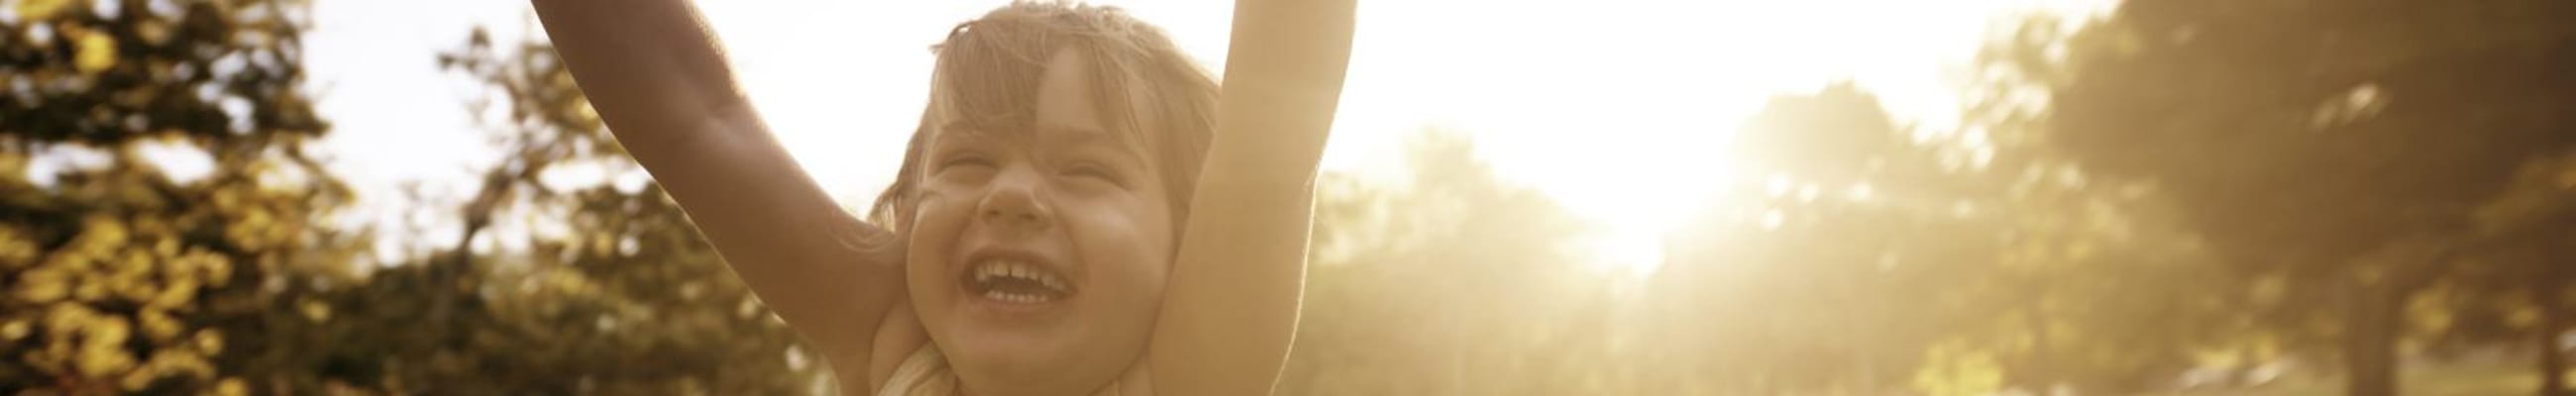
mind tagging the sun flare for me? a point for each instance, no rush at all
(1618, 109)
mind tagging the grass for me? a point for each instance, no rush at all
(2463, 379)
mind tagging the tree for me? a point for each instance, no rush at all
(2528, 227)
(2338, 146)
(1869, 253)
(122, 275)
(1801, 285)
(622, 297)
(1454, 283)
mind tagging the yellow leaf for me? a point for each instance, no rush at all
(136, 261)
(219, 269)
(14, 330)
(38, 10)
(249, 229)
(176, 295)
(110, 331)
(168, 247)
(13, 166)
(67, 259)
(154, 32)
(96, 53)
(603, 244)
(232, 387)
(177, 266)
(65, 319)
(158, 326)
(102, 233)
(168, 363)
(210, 342)
(317, 311)
(103, 349)
(15, 250)
(89, 289)
(129, 284)
(135, 380)
(52, 357)
(44, 285)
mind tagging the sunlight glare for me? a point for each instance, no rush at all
(1617, 108)
(1639, 97)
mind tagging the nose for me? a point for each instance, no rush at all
(1014, 203)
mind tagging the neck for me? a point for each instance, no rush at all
(1109, 390)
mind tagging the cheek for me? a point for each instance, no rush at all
(939, 214)
(932, 235)
(1130, 249)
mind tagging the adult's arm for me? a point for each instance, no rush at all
(658, 78)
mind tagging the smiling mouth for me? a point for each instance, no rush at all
(1017, 282)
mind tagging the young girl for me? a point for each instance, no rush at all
(1078, 212)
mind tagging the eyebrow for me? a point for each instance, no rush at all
(960, 132)
(961, 127)
(1129, 147)
(1079, 135)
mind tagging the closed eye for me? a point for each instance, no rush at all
(1093, 171)
(961, 161)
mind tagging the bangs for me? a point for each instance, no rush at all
(1146, 93)
(989, 72)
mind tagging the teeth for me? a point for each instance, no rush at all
(1014, 297)
(992, 270)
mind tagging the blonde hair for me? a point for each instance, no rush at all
(988, 73)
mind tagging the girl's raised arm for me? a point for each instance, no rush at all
(1230, 309)
(658, 78)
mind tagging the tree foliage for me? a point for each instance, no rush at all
(123, 277)
(2190, 183)
(1455, 282)
(613, 292)
(1870, 258)
(2341, 148)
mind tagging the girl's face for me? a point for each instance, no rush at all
(1037, 257)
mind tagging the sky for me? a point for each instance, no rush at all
(1613, 107)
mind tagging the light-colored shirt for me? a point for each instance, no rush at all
(926, 373)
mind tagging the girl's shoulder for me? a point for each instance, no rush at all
(924, 372)
(899, 345)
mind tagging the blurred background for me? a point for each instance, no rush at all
(1849, 197)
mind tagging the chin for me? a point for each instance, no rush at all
(1011, 356)
(1020, 362)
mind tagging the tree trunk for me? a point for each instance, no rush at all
(2039, 378)
(2553, 364)
(2370, 340)
(1872, 318)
